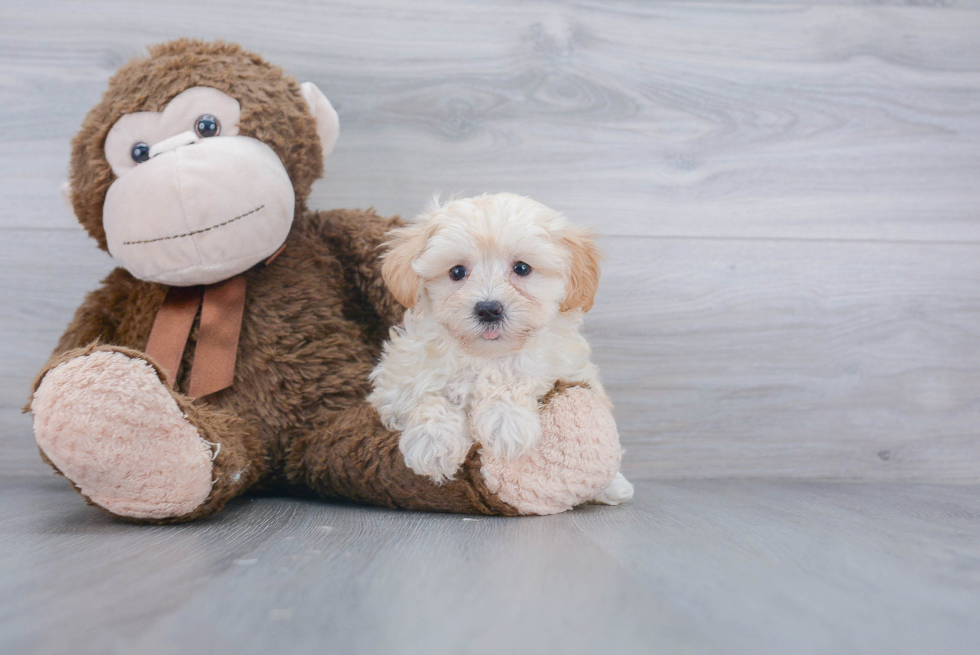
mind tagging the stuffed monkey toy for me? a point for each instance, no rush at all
(231, 350)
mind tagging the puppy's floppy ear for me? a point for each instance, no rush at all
(405, 244)
(583, 276)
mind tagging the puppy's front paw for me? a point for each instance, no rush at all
(618, 492)
(507, 430)
(435, 449)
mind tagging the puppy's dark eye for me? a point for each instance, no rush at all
(457, 273)
(522, 269)
(140, 152)
(207, 125)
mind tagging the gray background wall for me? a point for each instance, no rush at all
(788, 196)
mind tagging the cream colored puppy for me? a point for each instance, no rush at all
(496, 287)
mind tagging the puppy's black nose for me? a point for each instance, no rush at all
(489, 311)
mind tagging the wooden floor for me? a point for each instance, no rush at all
(790, 201)
(690, 567)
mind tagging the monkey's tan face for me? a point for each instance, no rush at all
(194, 202)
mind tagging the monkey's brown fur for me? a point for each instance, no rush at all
(295, 418)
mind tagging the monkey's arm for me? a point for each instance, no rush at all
(92, 322)
(351, 455)
(355, 237)
(100, 315)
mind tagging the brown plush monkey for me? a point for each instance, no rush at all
(262, 319)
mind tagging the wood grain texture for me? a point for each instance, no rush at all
(46, 274)
(20, 455)
(789, 194)
(792, 290)
(689, 567)
(641, 118)
(792, 358)
(725, 358)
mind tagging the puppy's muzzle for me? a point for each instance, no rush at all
(489, 311)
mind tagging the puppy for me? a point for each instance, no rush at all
(496, 287)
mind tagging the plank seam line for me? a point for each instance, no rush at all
(661, 237)
(696, 237)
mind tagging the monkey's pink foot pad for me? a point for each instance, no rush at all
(578, 456)
(111, 427)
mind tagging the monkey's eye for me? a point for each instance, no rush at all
(207, 125)
(522, 269)
(140, 152)
(457, 273)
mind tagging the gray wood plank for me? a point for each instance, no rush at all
(20, 455)
(660, 119)
(758, 333)
(724, 357)
(704, 567)
(851, 559)
(46, 274)
(792, 358)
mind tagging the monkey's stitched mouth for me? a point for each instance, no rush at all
(193, 232)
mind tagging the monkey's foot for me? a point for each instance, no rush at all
(110, 425)
(577, 457)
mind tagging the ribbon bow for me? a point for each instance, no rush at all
(222, 306)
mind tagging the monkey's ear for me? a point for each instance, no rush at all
(327, 121)
(583, 278)
(65, 190)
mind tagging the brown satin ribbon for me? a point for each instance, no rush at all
(217, 338)
(222, 306)
(172, 327)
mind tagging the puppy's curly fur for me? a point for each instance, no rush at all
(497, 288)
